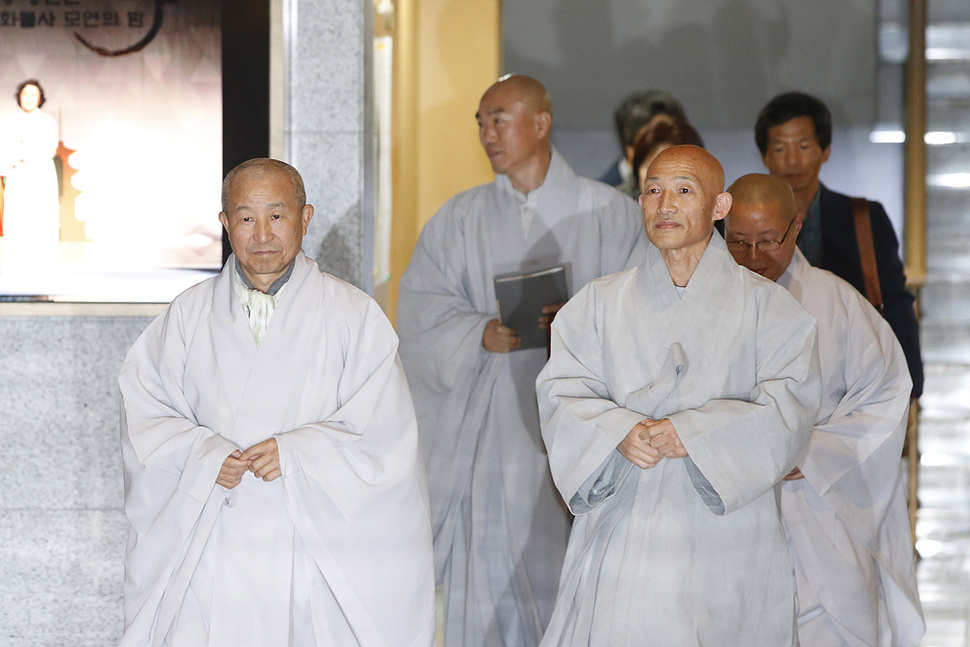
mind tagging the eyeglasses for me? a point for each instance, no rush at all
(761, 245)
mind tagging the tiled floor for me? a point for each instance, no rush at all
(943, 526)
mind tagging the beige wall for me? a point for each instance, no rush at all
(447, 52)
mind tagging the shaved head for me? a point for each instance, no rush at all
(695, 160)
(760, 189)
(529, 91)
(261, 167)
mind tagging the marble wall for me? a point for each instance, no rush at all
(325, 136)
(62, 526)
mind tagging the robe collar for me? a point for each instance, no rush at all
(259, 305)
(227, 310)
(558, 191)
(683, 329)
(711, 276)
(277, 284)
(237, 352)
(790, 277)
(797, 259)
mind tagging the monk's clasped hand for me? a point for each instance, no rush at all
(664, 438)
(264, 460)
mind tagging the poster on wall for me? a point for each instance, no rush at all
(110, 148)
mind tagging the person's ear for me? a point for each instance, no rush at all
(543, 123)
(224, 219)
(722, 205)
(306, 215)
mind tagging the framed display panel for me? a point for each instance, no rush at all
(136, 91)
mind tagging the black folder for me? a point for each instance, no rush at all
(521, 298)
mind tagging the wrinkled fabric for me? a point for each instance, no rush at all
(337, 551)
(691, 551)
(847, 519)
(500, 530)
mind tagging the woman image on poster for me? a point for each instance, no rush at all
(31, 222)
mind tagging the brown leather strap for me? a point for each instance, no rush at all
(867, 251)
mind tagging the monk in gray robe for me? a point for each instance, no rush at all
(845, 505)
(500, 529)
(273, 478)
(677, 396)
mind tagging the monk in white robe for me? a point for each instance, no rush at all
(845, 506)
(273, 478)
(677, 396)
(500, 530)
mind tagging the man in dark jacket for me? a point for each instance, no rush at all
(794, 136)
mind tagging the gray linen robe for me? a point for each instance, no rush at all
(500, 530)
(847, 519)
(337, 551)
(691, 551)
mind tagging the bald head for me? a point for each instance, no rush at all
(532, 94)
(761, 189)
(263, 167)
(692, 160)
(762, 226)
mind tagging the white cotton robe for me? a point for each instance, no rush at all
(691, 551)
(500, 529)
(337, 551)
(847, 519)
(31, 210)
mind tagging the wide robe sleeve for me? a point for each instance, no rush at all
(581, 423)
(450, 374)
(853, 458)
(352, 483)
(170, 462)
(743, 447)
(440, 327)
(846, 518)
(739, 448)
(336, 400)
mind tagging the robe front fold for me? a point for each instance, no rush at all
(500, 530)
(337, 551)
(691, 551)
(847, 519)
